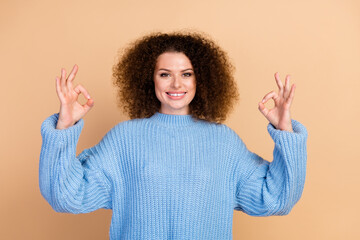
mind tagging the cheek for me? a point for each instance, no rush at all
(192, 89)
(158, 89)
(159, 85)
(192, 85)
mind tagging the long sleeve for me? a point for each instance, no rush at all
(170, 176)
(264, 188)
(69, 183)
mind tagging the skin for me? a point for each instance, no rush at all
(279, 115)
(174, 74)
(71, 110)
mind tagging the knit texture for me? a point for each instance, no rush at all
(170, 176)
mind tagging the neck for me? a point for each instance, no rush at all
(184, 111)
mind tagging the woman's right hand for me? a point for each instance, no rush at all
(71, 110)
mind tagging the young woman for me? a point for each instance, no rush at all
(173, 171)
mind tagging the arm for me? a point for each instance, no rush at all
(274, 188)
(264, 188)
(69, 183)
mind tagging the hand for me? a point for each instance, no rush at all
(71, 110)
(279, 115)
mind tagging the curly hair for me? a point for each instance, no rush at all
(216, 90)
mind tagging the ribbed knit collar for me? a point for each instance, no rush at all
(173, 120)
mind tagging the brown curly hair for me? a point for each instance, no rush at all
(216, 90)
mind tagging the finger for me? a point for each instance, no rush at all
(80, 89)
(291, 95)
(270, 95)
(71, 76)
(63, 81)
(287, 86)
(263, 109)
(88, 105)
(58, 88)
(279, 83)
(57, 85)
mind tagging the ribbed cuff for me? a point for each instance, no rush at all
(62, 136)
(300, 133)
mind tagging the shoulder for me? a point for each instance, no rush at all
(120, 134)
(128, 126)
(223, 132)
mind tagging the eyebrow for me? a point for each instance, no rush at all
(164, 69)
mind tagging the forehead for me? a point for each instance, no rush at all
(173, 60)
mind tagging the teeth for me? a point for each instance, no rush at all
(176, 94)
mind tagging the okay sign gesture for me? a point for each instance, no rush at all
(71, 110)
(279, 115)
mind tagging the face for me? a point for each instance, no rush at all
(175, 84)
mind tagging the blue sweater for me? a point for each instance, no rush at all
(170, 176)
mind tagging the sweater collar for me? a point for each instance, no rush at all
(173, 120)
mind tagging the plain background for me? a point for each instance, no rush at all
(317, 42)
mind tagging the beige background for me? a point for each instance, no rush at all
(317, 42)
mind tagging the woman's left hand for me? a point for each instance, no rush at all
(279, 115)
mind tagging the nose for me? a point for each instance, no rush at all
(176, 82)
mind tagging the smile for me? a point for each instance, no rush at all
(176, 94)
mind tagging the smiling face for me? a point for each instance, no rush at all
(175, 84)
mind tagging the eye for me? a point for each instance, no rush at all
(188, 74)
(164, 75)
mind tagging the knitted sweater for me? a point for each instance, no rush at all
(170, 176)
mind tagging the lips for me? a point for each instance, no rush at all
(176, 94)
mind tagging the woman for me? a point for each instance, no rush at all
(173, 171)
